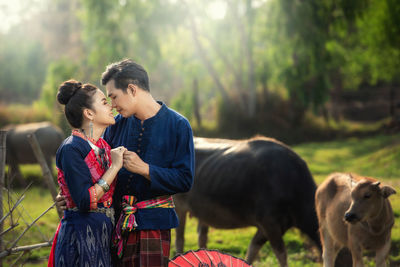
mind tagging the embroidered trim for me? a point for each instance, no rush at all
(93, 198)
(101, 155)
(81, 135)
(108, 202)
(108, 211)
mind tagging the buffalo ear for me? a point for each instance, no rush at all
(386, 191)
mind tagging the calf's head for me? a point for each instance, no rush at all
(367, 199)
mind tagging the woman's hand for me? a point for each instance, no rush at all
(117, 157)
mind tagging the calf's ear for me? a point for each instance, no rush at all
(386, 191)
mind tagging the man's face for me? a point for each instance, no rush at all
(121, 101)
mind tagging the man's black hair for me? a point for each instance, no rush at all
(126, 72)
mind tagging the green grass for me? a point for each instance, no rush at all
(376, 156)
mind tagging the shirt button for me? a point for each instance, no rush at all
(130, 176)
(140, 139)
(142, 129)
(138, 151)
(138, 145)
(140, 134)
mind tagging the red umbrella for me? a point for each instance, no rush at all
(206, 258)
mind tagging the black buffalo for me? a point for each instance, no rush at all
(257, 182)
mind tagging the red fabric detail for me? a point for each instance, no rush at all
(93, 198)
(96, 172)
(107, 203)
(64, 189)
(51, 262)
(81, 135)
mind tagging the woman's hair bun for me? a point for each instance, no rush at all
(67, 90)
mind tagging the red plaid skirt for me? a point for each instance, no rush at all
(146, 248)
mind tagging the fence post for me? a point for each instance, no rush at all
(3, 135)
(48, 177)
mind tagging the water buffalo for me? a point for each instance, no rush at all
(257, 182)
(19, 150)
(354, 212)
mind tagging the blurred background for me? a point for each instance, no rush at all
(292, 69)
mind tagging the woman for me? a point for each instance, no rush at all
(86, 168)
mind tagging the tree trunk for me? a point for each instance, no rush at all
(196, 104)
(237, 74)
(3, 135)
(335, 96)
(48, 177)
(206, 61)
(392, 102)
(249, 53)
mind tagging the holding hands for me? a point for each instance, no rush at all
(134, 164)
(117, 156)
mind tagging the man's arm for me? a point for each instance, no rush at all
(179, 177)
(175, 179)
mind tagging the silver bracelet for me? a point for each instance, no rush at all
(103, 185)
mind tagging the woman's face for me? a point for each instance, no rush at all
(103, 115)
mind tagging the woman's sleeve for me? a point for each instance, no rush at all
(78, 179)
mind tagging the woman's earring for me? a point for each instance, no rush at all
(91, 129)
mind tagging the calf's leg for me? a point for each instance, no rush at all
(381, 255)
(356, 253)
(329, 248)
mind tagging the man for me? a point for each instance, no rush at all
(159, 163)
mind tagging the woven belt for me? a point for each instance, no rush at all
(127, 220)
(108, 211)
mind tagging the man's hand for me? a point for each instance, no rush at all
(60, 202)
(133, 163)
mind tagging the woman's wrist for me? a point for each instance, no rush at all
(103, 184)
(114, 168)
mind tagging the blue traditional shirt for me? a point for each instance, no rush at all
(165, 142)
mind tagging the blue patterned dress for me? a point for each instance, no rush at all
(84, 236)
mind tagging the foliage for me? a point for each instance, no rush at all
(18, 113)
(22, 68)
(369, 47)
(58, 72)
(184, 103)
(240, 51)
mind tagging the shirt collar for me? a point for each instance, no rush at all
(160, 113)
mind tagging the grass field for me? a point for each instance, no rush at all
(376, 156)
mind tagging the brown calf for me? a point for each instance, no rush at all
(354, 212)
